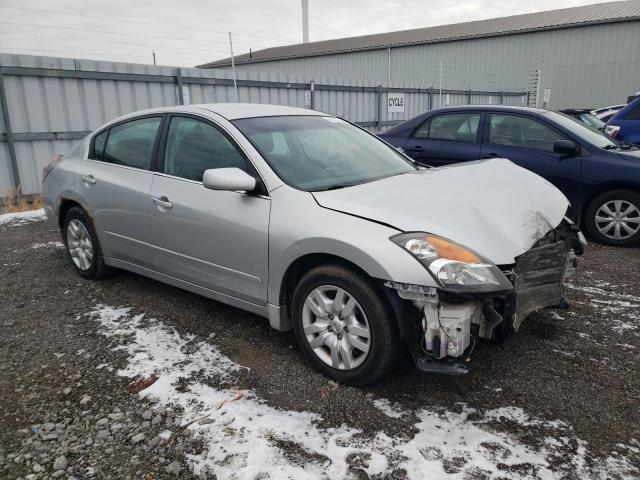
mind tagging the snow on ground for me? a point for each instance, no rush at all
(622, 309)
(242, 432)
(37, 246)
(22, 218)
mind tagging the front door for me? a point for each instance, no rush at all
(114, 184)
(446, 138)
(528, 142)
(214, 239)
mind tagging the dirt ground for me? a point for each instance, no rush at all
(60, 393)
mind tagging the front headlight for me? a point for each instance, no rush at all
(453, 266)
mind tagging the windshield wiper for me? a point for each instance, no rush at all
(621, 146)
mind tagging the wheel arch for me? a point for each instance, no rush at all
(303, 264)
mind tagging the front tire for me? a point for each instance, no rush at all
(613, 218)
(82, 246)
(345, 326)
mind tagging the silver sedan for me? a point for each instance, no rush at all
(319, 226)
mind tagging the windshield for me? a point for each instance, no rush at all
(582, 131)
(320, 153)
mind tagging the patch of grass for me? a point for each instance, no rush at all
(14, 201)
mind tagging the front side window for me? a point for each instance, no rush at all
(634, 114)
(516, 131)
(320, 153)
(194, 146)
(97, 153)
(131, 143)
(459, 127)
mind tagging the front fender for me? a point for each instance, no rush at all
(299, 227)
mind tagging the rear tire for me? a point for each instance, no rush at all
(613, 218)
(82, 245)
(351, 334)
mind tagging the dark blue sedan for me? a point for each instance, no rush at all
(599, 175)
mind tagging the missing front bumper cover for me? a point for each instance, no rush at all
(449, 325)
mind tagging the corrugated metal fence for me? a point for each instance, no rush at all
(48, 103)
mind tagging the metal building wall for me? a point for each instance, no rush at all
(587, 66)
(51, 103)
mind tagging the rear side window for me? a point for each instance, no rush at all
(194, 146)
(459, 127)
(515, 131)
(98, 145)
(131, 143)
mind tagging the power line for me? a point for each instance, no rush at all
(153, 24)
(106, 32)
(156, 45)
(67, 53)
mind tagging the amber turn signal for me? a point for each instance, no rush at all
(451, 251)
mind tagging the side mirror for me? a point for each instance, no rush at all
(565, 147)
(232, 179)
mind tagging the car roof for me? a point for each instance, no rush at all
(506, 108)
(234, 111)
(230, 111)
(572, 111)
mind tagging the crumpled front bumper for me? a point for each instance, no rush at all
(447, 327)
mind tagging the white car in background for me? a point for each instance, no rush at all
(605, 113)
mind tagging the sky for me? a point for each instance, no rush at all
(190, 32)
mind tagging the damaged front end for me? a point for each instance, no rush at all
(442, 326)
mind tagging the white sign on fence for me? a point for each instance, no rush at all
(395, 102)
(546, 96)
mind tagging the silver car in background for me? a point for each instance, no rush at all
(319, 226)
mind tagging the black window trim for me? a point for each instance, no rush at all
(154, 151)
(261, 186)
(478, 140)
(529, 117)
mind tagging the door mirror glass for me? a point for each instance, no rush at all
(232, 179)
(565, 147)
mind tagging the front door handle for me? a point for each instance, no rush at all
(490, 155)
(88, 179)
(415, 148)
(162, 202)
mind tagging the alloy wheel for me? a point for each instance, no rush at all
(336, 327)
(618, 219)
(79, 245)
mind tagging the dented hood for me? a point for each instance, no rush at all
(492, 206)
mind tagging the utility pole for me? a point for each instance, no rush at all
(305, 21)
(154, 56)
(440, 84)
(233, 67)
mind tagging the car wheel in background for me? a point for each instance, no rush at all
(613, 218)
(345, 326)
(83, 248)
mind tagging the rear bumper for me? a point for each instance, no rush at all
(442, 329)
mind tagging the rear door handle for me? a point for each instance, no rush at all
(490, 155)
(415, 148)
(162, 202)
(88, 179)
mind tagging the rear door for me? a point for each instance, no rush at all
(528, 142)
(210, 238)
(115, 182)
(446, 138)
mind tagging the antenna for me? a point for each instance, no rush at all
(305, 21)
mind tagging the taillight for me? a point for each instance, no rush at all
(50, 166)
(611, 130)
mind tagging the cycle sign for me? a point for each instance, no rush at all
(395, 102)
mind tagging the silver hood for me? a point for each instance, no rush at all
(492, 206)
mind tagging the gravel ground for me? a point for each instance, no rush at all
(66, 412)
